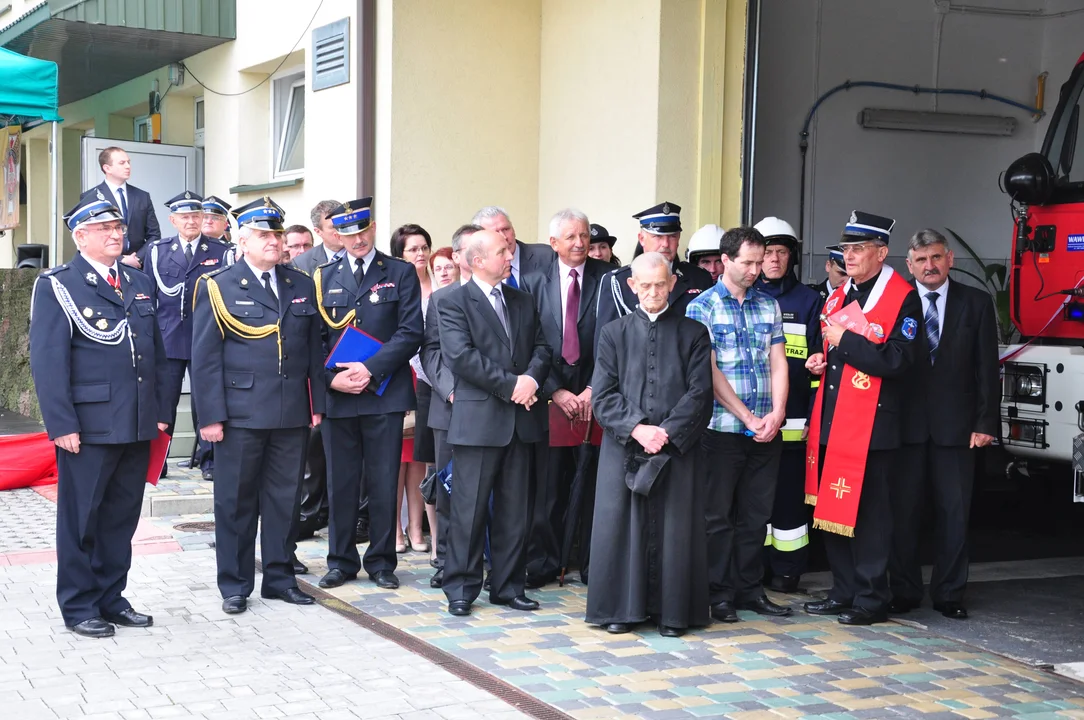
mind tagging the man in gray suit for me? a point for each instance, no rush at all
(440, 406)
(492, 340)
(332, 242)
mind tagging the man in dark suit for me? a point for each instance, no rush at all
(380, 296)
(526, 257)
(952, 408)
(440, 405)
(175, 264)
(135, 205)
(492, 341)
(565, 295)
(660, 231)
(256, 352)
(99, 370)
(331, 246)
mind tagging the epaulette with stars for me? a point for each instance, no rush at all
(296, 269)
(55, 270)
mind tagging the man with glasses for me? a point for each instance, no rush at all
(298, 241)
(174, 264)
(873, 335)
(99, 370)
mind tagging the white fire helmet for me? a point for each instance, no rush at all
(704, 241)
(774, 228)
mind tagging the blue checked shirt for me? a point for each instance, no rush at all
(742, 337)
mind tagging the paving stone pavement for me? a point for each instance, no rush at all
(275, 661)
(27, 521)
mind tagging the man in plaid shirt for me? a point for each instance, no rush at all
(742, 445)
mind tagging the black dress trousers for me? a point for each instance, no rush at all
(257, 475)
(99, 498)
(860, 564)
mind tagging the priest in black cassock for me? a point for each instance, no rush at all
(652, 394)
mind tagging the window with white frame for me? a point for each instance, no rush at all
(199, 122)
(288, 126)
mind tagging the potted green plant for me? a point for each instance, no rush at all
(995, 280)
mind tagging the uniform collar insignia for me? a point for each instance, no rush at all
(203, 247)
(92, 278)
(126, 278)
(100, 196)
(244, 281)
(173, 247)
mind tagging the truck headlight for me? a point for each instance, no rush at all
(1025, 383)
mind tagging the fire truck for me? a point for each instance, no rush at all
(1042, 409)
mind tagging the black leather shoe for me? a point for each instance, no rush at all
(335, 578)
(459, 608)
(293, 596)
(668, 631)
(165, 471)
(234, 605)
(724, 611)
(486, 585)
(827, 606)
(208, 475)
(93, 628)
(300, 568)
(129, 618)
(583, 576)
(899, 606)
(533, 582)
(763, 606)
(617, 628)
(306, 530)
(361, 532)
(437, 581)
(520, 602)
(951, 610)
(385, 579)
(861, 616)
(784, 583)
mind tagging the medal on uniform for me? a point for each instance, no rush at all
(102, 324)
(374, 298)
(88, 313)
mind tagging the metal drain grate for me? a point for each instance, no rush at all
(195, 527)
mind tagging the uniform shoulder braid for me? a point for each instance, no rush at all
(53, 271)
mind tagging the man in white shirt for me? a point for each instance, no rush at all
(565, 295)
(135, 205)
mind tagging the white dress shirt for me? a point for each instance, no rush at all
(942, 295)
(365, 261)
(515, 268)
(566, 283)
(103, 270)
(116, 195)
(259, 275)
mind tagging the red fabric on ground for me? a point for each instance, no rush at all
(26, 461)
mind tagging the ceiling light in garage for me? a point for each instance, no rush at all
(936, 122)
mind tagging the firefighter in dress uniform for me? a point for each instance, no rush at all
(787, 538)
(99, 368)
(836, 270)
(175, 264)
(256, 352)
(855, 429)
(660, 231)
(216, 225)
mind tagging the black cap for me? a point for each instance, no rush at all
(600, 234)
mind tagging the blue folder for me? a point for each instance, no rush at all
(355, 346)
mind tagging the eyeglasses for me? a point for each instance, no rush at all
(103, 229)
(856, 249)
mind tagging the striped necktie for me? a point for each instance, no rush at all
(933, 326)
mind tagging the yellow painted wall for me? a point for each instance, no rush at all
(598, 124)
(464, 113)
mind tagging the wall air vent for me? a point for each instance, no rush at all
(331, 55)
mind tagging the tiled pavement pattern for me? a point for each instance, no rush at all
(802, 666)
(27, 521)
(275, 661)
(797, 667)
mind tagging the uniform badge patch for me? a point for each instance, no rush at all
(212, 261)
(831, 306)
(909, 328)
(295, 301)
(877, 330)
(88, 313)
(102, 324)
